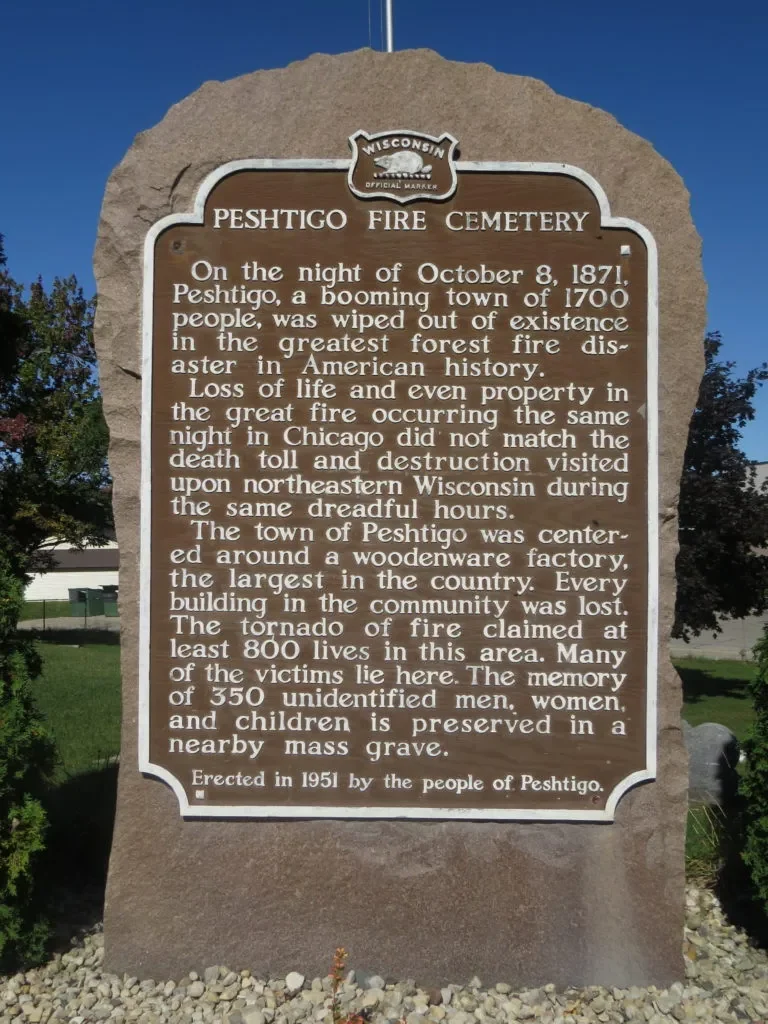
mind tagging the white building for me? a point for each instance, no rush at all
(91, 568)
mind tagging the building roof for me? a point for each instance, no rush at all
(66, 558)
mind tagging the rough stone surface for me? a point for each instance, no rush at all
(713, 759)
(726, 982)
(531, 903)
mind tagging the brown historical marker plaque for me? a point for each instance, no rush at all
(399, 545)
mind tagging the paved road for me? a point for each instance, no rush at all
(736, 640)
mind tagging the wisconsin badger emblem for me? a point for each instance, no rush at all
(404, 164)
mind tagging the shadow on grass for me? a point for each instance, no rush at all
(76, 637)
(699, 685)
(81, 813)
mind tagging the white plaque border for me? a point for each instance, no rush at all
(202, 810)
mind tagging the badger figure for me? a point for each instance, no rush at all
(403, 162)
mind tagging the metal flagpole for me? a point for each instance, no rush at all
(390, 44)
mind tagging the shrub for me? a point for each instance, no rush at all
(754, 783)
(26, 765)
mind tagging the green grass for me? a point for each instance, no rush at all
(79, 694)
(52, 609)
(716, 691)
(705, 842)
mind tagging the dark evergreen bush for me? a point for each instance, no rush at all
(754, 783)
(26, 763)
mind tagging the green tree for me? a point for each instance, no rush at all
(721, 570)
(54, 484)
(54, 481)
(26, 765)
(753, 784)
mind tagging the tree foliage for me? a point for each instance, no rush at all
(26, 765)
(753, 784)
(54, 485)
(54, 481)
(721, 570)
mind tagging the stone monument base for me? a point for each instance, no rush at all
(573, 904)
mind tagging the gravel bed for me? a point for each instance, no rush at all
(726, 981)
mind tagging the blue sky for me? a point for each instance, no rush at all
(80, 79)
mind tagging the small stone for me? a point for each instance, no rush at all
(531, 997)
(372, 998)
(253, 1017)
(196, 989)
(211, 975)
(460, 1017)
(512, 1008)
(294, 981)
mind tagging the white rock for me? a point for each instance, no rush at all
(372, 998)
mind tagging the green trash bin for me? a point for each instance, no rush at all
(95, 601)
